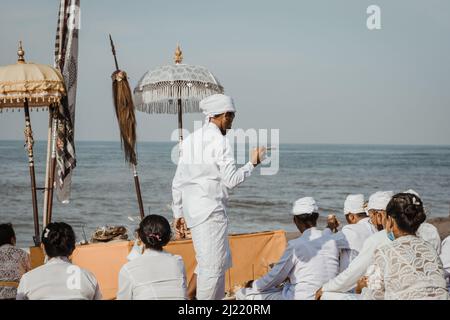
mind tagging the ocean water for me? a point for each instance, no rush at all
(103, 187)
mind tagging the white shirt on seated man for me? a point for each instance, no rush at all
(351, 238)
(308, 262)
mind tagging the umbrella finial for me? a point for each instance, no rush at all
(178, 55)
(21, 53)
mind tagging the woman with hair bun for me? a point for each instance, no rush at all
(156, 274)
(58, 279)
(408, 268)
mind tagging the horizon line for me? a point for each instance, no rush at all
(289, 143)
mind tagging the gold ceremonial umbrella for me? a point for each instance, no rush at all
(29, 85)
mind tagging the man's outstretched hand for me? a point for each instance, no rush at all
(258, 155)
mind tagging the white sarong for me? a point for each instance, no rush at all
(212, 251)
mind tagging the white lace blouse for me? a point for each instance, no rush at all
(406, 269)
(14, 262)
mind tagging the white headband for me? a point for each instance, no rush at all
(305, 205)
(216, 104)
(379, 200)
(354, 204)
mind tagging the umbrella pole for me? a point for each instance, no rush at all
(29, 144)
(52, 168)
(47, 167)
(180, 123)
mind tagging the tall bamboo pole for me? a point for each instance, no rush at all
(138, 192)
(47, 168)
(179, 60)
(29, 143)
(52, 167)
(134, 165)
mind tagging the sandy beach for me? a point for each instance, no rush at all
(443, 226)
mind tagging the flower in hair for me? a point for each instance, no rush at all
(155, 236)
(47, 231)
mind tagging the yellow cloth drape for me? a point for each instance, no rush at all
(252, 254)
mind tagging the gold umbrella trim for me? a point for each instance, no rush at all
(35, 100)
(32, 85)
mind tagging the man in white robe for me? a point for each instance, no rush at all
(206, 172)
(351, 238)
(308, 262)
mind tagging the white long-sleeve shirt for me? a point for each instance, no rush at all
(58, 279)
(308, 262)
(347, 279)
(155, 275)
(445, 258)
(350, 241)
(206, 172)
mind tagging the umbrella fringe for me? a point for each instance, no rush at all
(169, 107)
(163, 97)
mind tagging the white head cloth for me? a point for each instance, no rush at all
(379, 200)
(413, 192)
(216, 104)
(305, 205)
(354, 204)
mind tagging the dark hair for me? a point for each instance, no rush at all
(407, 211)
(58, 239)
(6, 233)
(155, 232)
(309, 220)
(360, 215)
(225, 114)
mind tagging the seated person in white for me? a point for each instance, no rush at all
(407, 268)
(308, 262)
(351, 238)
(156, 274)
(445, 258)
(337, 287)
(58, 279)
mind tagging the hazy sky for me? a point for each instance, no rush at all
(309, 68)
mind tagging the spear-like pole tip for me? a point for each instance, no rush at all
(113, 49)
